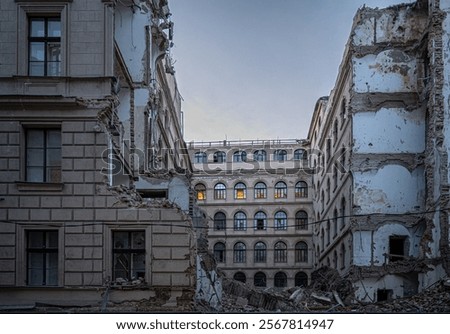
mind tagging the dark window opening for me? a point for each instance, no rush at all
(384, 295)
(240, 277)
(153, 193)
(260, 280)
(301, 279)
(220, 221)
(239, 253)
(219, 252)
(280, 280)
(397, 246)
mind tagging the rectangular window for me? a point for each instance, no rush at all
(44, 46)
(42, 258)
(43, 155)
(128, 255)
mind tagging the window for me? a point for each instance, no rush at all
(280, 220)
(219, 157)
(260, 252)
(301, 189)
(42, 257)
(44, 46)
(328, 233)
(335, 259)
(300, 154)
(43, 155)
(220, 221)
(280, 254)
(335, 222)
(342, 213)
(281, 190)
(240, 221)
(260, 221)
(239, 156)
(301, 252)
(343, 256)
(301, 220)
(219, 252)
(335, 131)
(397, 248)
(200, 157)
(200, 192)
(220, 191)
(260, 280)
(240, 191)
(301, 279)
(280, 280)
(260, 155)
(128, 254)
(335, 177)
(279, 155)
(240, 277)
(260, 190)
(239, 252)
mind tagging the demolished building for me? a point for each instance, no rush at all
(95, 205)
(381, 185)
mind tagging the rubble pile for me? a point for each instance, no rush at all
(328, 293)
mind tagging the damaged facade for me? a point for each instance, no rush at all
(381, 186)
(96, 205)
(257, 195)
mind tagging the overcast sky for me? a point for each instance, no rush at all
(254, 69)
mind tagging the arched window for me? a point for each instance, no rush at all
(280, 220)
(301, 220)
(301, 252)
(280, 280)
(240, 191)
(328, 233)
(219, 157)
(239, 156)
(322, 239)
(260, 221)
(260, 252)
(259, 155)
(280, 190)
(260, 190)
(200, 157)
(280, 254)
(280, 155)
(219, 252)
(220, 191)
(260, 280)
(335, 260)
(240, 221)
(220, 221)
(335, 131)
(239, 252)
(301, 189)
(240, 277)
(200, 192)
(300, 154)
(301, 279)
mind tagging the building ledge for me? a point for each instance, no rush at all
(39, 186)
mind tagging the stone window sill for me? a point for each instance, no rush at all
(39, 186)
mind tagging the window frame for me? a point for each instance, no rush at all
(240, 156)
(240, 191)
(280, 155)
(301, 252)
(220, 224)
(260, 190)
(200, 158)
(280, 223)
(220, 254)
(129, 250)
(219, 157)
(240, 221)
(45, 251)
(280, 252)
(239, 253)
(301, 220)
(301, 189)
(256, 220)
(260, 252)
(280, 190)
(27, 10)
(220, 193)
(200, 192)
(260, 155)
(280, 280)
(45, 128)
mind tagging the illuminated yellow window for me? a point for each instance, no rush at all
(200, 191)
(240, 191)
